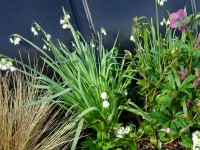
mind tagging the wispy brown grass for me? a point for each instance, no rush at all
(37, 127)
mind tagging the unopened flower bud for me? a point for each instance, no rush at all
(168, 130)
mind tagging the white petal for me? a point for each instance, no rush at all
(161, 23)
(35, 33)
(68, 16)
(17, 39)
(44, 46)
(93, 45)
(33, 29)
(11, 40)
(104, 95)
(62, 21)
(65, 26)
(106, 104)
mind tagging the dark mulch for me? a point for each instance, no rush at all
(147, 145)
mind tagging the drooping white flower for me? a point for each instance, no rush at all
(161, 2)
(106, 104)
(93, 45)
(68, 16)
(44, 47)
(104, 95)
(12, 68)
(121, 130)
(127, 130)
(1, 65)
(168, 22)
(34, 31)
(132, 38)
(62, 21)
(16, 41)
(103, 31)
(48, 36)
(65, 26)
(161, 23)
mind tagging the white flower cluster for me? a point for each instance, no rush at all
(166, 22)
(122, 131)
(34, 31)
(15, 40)
(104, 96)
(6, 65)
(64, 22)
(161, 2)
(196, 140)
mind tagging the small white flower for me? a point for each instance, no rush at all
(73, 45)
(12, 68)
(103, 31)
(68, 16)
(3, 60)
(1, 66)
(121, 130)
(93, 45)
(106, 104)
(168, 22)
(65, 26)
(44, 46)
(4, 67)
(104, 95)
(62, 21)
(33, 29)
(35, 33)
(161, 3)
(11, 40)
(16, 41)
(127, 130)
(132, 38)
(48, 36)
(161, 23)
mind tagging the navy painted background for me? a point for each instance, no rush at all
(115, 16)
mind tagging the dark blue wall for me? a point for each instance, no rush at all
(115, 16)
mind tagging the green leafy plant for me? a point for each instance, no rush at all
(88, 79)
(168, 78)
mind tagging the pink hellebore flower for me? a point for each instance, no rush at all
(176, 18)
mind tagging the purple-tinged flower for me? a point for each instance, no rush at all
(197, 43)
(196, 80)
(178, 18)
(188, 103)
(197, 72)
(196, 83)
(183, 73)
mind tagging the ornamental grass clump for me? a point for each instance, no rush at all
(88, 79)
(168, 84)
(38, 127)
